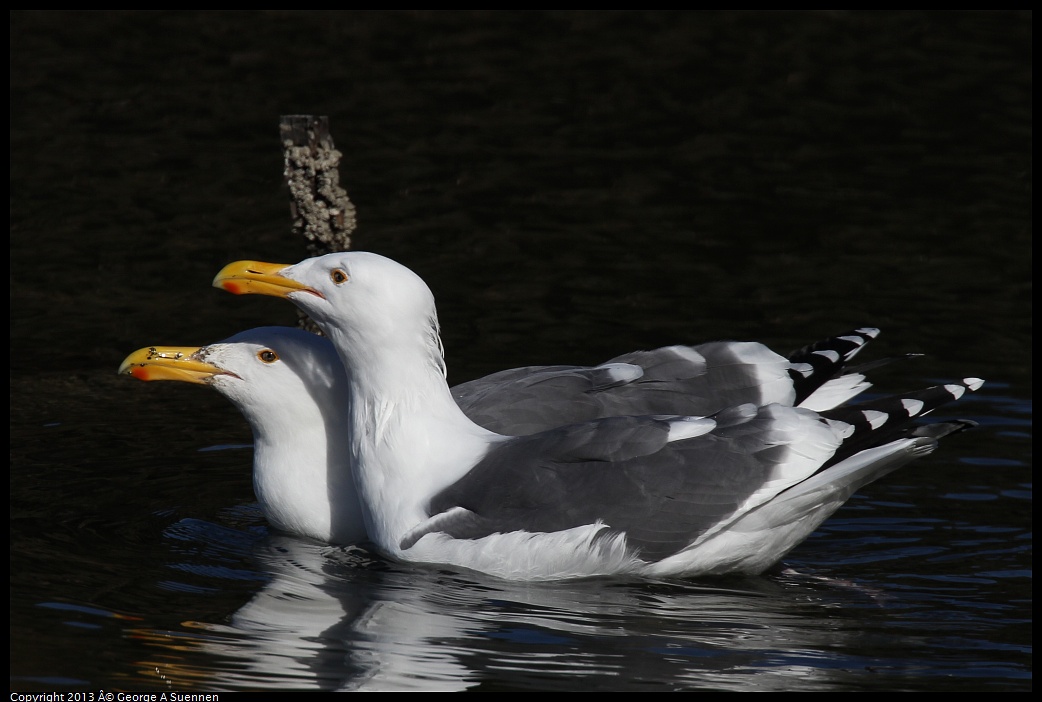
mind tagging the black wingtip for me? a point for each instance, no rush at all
(876, 422)
(815, 364)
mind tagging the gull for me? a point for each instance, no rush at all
(291, 388)
(657, 494)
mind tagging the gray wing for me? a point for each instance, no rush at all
(664, 482)
(680, 380)
(626, 473)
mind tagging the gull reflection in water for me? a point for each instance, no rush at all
(330, 618)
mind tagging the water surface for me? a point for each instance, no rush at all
(572, 186)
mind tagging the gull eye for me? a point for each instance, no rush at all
(267, 356)
(338, 276)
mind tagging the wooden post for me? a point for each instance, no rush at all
(320, 210)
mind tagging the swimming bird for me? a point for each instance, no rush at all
(291, 388)
(658, 495)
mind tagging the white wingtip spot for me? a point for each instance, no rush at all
(623, 372)
(835, 392)
(804, 369)
(868, 331)
(859, 343)
(956, 391)
(973, 383)
(747, 410)
(681, 428)
(688, 354)
(874, 418)
(829, 354)
(912, 407)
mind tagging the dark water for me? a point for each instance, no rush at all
(572, 186)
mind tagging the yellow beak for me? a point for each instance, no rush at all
(257, 278)
(169, 363)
